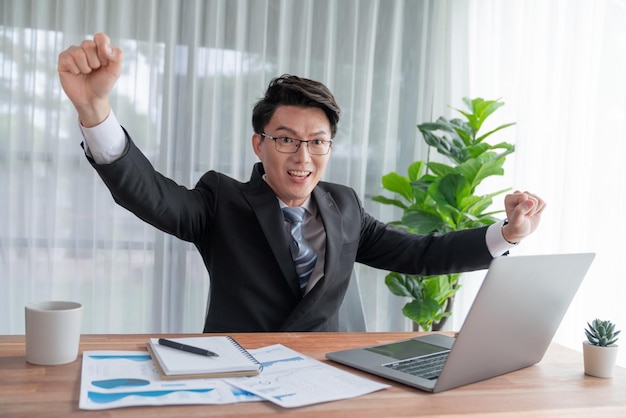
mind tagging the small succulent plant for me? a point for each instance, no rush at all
(601, 333)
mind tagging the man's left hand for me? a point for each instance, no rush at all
(523, 211)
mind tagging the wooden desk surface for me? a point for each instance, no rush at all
(556, 387)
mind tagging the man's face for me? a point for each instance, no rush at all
(292, 177)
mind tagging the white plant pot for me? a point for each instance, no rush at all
(599, 361)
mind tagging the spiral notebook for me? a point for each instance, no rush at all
(231, 360)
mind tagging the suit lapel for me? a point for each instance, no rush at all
(267, 210)
(332, 225)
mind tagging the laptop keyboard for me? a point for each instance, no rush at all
(427, 367)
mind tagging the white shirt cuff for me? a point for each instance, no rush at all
(496, 243)
(105, 142)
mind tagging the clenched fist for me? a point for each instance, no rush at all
(523, 211)
(88, 73)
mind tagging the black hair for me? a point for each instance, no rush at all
(290, 90)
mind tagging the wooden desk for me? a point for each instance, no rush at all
(556, 387)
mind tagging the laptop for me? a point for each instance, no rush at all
(510, 325)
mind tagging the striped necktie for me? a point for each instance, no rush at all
(304, 256)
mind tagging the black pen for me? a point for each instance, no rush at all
(187, 348)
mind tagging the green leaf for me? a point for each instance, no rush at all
(450, 188)
(441, 170)
(388, 201)
(443, 136)
(475, 205)
(398, 184)
(480, 110)
(403, 285)
(440, 288)
(464, 131)
(475, 170)
(416, 170)
(477, 150)
(469, 169)
(442, 144)
(422, 312)
(420, 193)
(422, 222)
(493, 168)
(483, 137)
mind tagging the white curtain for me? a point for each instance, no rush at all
(192, 72)
(560, 66)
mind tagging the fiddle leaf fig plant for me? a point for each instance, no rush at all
(437, 198)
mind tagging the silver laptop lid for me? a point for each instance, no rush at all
(514, 317)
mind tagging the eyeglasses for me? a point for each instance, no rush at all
(289, 145)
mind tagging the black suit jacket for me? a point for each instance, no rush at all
(238, 229)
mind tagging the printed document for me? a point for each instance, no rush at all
(116, 379)
(291, 379)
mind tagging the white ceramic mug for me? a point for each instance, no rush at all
(52, 332)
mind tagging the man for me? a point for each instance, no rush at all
(240, 229)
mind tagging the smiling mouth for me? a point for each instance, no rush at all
(299, 174)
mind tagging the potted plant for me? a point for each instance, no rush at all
(600, 350)
(438, 198)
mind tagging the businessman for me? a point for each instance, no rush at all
(280, 247)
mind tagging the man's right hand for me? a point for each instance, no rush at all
(88, 73)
